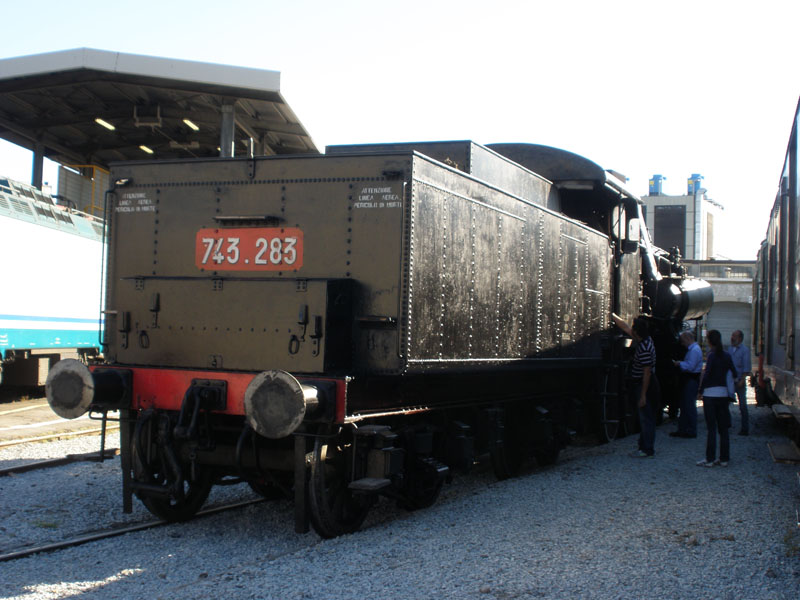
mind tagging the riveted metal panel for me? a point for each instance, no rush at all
(498, 280)
(585, 300)
(478, 161)
(487, 165)
(550, 286)
(630, 291)
(351, 217)
(244, 325)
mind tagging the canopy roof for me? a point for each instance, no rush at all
(52, 102)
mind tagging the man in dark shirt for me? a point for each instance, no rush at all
(740, 354)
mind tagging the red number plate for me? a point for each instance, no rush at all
(249, 249)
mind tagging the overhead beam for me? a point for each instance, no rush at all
(46, 140)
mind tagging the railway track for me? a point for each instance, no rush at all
(58, 462)
(113, 532)
(582, 446)
(34, 416)
(63, 435)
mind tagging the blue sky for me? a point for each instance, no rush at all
(641, 87)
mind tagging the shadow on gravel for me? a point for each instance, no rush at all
(13, 393)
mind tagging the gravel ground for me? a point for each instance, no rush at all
(598, 524)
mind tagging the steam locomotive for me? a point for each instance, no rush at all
(363, 323)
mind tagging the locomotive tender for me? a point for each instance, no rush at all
(342, 326)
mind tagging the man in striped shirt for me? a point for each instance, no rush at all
(644, 385)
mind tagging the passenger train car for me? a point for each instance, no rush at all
(363, 323)
(776, 310)
(51, 278)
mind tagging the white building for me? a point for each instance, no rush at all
(732, 283)
(686, 222)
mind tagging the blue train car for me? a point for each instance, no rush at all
(50, 274)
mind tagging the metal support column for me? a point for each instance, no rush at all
(38, 165)
(227, 130)
(127, 419)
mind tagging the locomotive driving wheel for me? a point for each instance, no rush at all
(426, 479)
(174, 494)
(334, 508)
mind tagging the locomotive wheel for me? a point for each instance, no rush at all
(171, 509)
(424, 489)
(334, 509)
(423, 497)
(508, 449)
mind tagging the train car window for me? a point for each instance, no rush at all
(625, 230)
(633, 230)
(21, 206)
(630, 243)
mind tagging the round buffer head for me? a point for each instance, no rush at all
(274, 404)
(70, 388)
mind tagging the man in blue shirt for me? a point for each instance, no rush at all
(690, 366)
(741, 360)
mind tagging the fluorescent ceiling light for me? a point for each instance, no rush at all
(105, 124)
(146, 149)
(191, 125)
